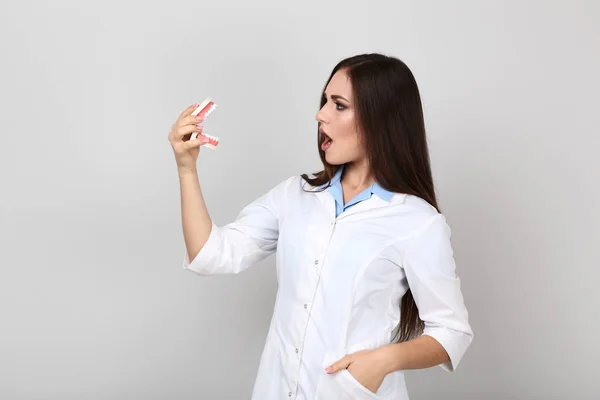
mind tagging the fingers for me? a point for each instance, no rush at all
(339, 365)
(186, 130)
(199, 141)
(188, 111)
(190, 120)
(186, 125)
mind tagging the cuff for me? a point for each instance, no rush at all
(204, 262)
(454, 342)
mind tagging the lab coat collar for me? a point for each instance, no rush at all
(380, 198)
(327, 199)
(375, 188)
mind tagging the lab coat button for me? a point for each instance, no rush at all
(316, 262)
(305, 306)
(290, 394)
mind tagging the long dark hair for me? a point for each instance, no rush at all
(389, 115)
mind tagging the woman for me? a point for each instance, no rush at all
(366, 276)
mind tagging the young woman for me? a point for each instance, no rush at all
(366, 276)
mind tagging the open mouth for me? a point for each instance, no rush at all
(327, 141)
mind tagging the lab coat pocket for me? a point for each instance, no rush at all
(357, 389)
(342, 386)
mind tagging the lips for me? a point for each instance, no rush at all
(327, 141)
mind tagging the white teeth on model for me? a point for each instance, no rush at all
(211, 109)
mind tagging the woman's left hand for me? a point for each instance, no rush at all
(365, 366)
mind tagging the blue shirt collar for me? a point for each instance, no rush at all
(336, 188)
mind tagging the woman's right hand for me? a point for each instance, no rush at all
(186, 150)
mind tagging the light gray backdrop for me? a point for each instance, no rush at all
(94, 303)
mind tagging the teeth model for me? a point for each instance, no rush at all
(204, 109)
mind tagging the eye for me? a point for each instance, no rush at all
(340, 105)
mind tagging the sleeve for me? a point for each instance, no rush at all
(251, 237)
(430, 271)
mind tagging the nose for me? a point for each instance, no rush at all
(320, 116)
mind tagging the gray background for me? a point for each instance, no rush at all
(94, 303)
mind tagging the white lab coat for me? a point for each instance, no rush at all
(340, 282)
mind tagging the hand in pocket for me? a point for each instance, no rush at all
(365, 366)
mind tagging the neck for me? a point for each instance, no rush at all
(357, 175)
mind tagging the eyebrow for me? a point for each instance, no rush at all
(335, 97)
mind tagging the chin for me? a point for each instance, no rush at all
(333, 160)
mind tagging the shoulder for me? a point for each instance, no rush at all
(290, 183)
(293, 185)
(296, 184)
(420, 209)
(424, 217)
(419, 206)
(424, 231)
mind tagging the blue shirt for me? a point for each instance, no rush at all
(338, 194)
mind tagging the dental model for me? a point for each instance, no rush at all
(204, 109)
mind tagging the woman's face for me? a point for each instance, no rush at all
(341, 140)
